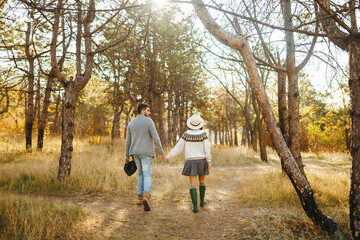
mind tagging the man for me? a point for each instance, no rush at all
(140, 138)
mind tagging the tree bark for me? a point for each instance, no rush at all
(72, 88)
(260, 130)
(282, 106)
(67, 136)
(349, 42)
(354, 84)
(161, 124)
(56, 123)
(6, 108)
(37, 100)
(44, 112)
(300, 183)
(115, 131)
(170, 113)
(293, 87)
(29, 110)
(236, 142)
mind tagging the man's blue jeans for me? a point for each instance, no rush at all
(143, 164)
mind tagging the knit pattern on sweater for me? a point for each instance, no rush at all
(194, 137)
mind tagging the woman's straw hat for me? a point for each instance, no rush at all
(195, 122)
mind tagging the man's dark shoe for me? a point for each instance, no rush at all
(146, 199)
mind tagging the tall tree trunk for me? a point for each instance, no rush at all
(127, 120)
(161, 124)
(115, 131)
(67, 136)
(170, 113)
(299, 181)
(56, 124)
(282, 106)
(236, 142)
(231, 134)
(29, 110)
(245, 134)
(293, 87)
(37, 100)
(263, 154)
(182, 117)
(44, 112)
(260, 131)
(254, 133)
(354, 84)
(176, 117)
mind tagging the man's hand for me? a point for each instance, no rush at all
(127, 159)
(209, 166)
(162, 157)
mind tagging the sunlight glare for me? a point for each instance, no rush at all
(159, 3)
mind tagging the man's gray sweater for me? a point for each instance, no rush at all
(140, 137)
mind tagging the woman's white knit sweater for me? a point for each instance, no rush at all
(196, 144)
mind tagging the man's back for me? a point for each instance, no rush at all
(141, 135)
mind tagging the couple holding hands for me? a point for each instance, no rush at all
(140, 138)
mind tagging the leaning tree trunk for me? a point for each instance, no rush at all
(299, 181)
(354, 84)
(67, 136)
(44, 112)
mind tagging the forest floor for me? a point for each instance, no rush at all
(171, 217)
(246, 198)
(224, 216)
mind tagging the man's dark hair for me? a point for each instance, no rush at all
(142, 106)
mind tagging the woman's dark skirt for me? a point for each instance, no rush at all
(195, 167)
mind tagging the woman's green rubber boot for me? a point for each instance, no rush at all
(202, 196)
(194, 199)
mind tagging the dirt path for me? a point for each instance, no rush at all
(171, 216)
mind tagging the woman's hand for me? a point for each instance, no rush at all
(209, 166)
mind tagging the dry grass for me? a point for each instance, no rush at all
(97, 171)
(274, 188)
(21, 218)
(273, 192)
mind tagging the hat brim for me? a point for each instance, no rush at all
(200, 125)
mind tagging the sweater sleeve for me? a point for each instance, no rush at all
(127, 142)
(206, 145)
(177, 149)
(156, 138)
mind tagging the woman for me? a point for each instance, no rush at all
(197, 156)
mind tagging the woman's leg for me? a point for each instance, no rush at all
(202, 180)
(193, 181)
(202, 190)
(193, 193)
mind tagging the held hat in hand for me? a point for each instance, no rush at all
(130, 168)
(195, 122)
